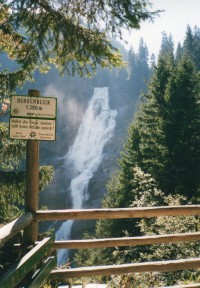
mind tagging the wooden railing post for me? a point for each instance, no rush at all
(32, 184)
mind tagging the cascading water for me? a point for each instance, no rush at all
(86, 154)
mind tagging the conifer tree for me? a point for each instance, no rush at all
(182, 131)
(169, 128)
(191, 45)
(167, 45)
(139, 69)
(179, 52)
(150, 118)
(168, 124)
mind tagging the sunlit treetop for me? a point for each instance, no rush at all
(71, 34)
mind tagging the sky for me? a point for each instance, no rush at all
(177, 15)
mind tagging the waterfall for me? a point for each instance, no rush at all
(86, 154)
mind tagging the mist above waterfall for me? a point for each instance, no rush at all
(86, 154)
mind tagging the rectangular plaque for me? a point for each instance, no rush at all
(33, 107)
(32, 129)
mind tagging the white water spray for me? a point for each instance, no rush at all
(86, 154)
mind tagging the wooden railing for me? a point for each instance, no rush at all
(9, 230)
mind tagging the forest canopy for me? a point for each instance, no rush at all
(72, 35)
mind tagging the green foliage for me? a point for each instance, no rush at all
(139, 70)
(146, 194)
(90, 257)
(12, 179)
(146, 280)
(71, 35)
(191, 45)
(11, 151)
(13, 185)
(11, 202)
(167, 46)
(167, 126)
(9, 254)
(46, 174)
(182, 132)
(171, 225)
(11, 188)
(119, 194)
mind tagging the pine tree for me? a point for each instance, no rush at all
(169, 128)
(139, 69)
(179, 52)
(150, 120)
(167, 45)
(191, 45)
(182, 131)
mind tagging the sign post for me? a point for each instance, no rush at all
(32, 118)
(32, 184)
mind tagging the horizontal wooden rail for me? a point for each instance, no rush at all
(126, 241)
(142, 212)
(156, 266)
(12, 228)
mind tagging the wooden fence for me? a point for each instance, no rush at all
(8, 231)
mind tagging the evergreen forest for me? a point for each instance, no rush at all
(159, 164)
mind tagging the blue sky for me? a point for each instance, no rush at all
(174, 20)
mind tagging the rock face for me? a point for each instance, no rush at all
(73, 95)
